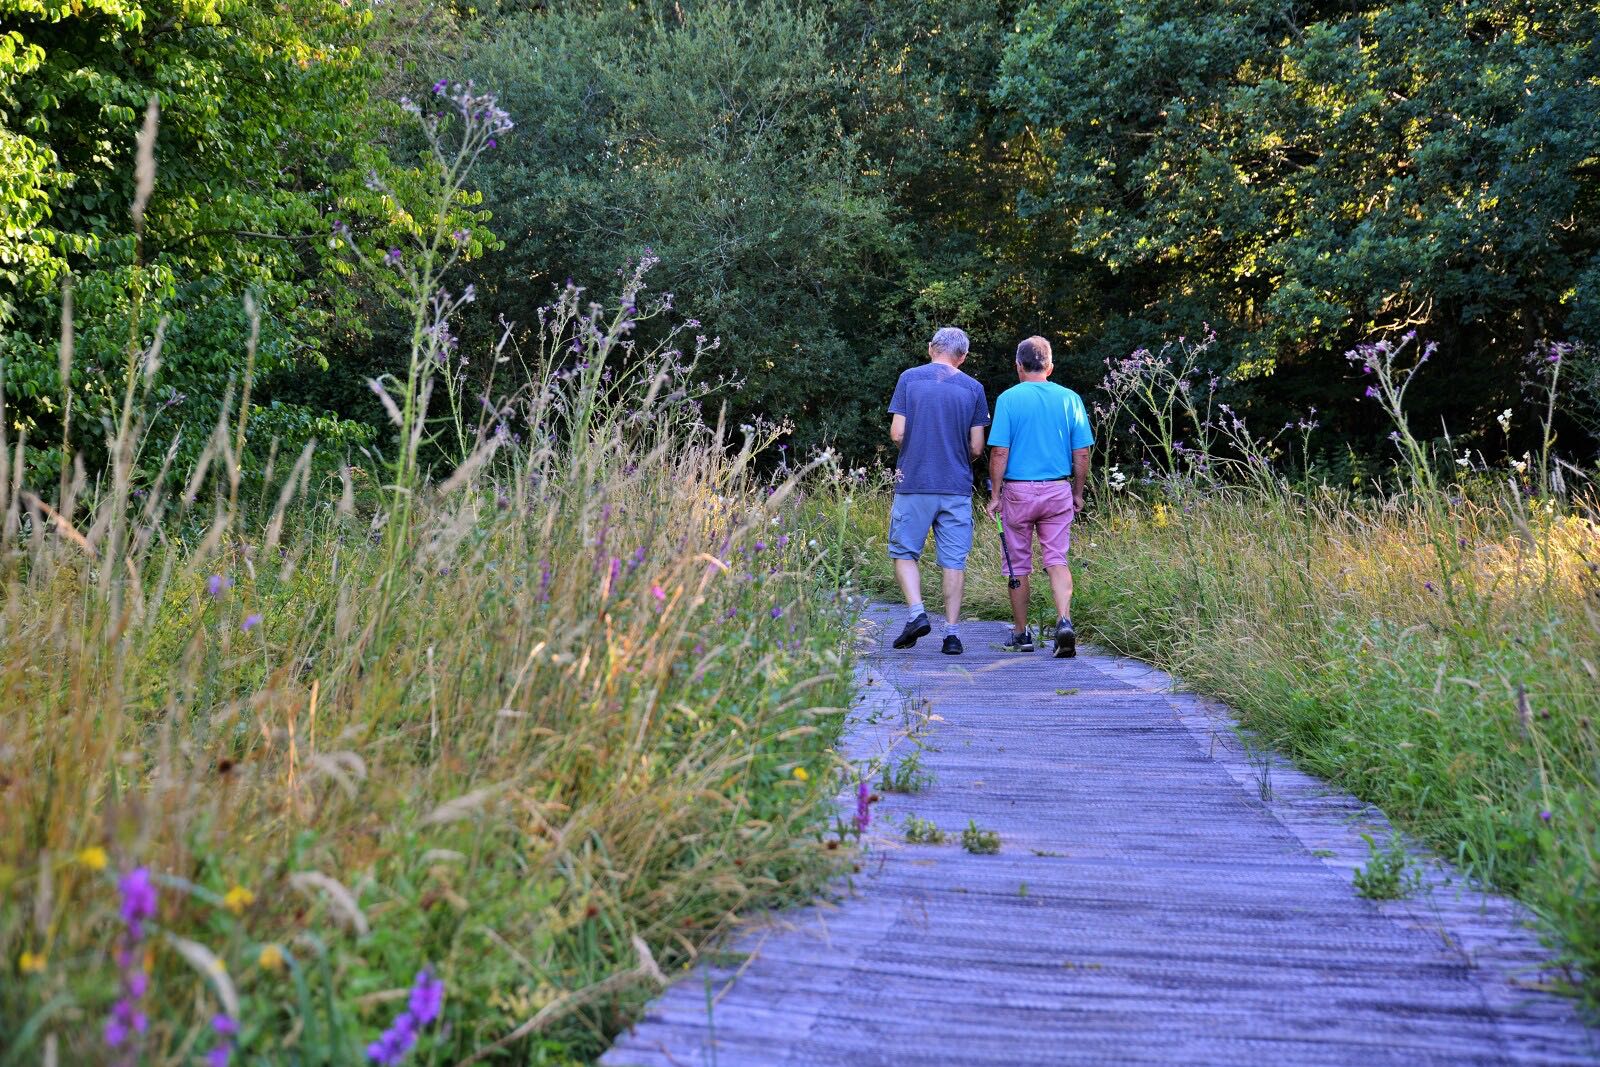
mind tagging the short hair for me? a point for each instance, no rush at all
(950, 340)
(1033, 355)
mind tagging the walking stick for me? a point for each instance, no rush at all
(1012, 581)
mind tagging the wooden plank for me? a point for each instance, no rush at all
(1152, 903)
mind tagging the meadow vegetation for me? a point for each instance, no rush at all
(344, 763)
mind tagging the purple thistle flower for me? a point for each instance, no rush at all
(761, 546)
(1545, 816)
(251, 621)
(440, 86)
(216, 585)
(490, 143)
(393, 257)
(1429, 586)
(1372, 393)
(777, 612)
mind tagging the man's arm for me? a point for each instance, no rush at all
(897, 429)
(997, 476)
(1080, 476)
(975, 442)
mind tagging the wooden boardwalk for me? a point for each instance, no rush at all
(1162, 896)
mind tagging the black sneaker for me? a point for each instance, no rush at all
(952, 645)
(917, 627)
(1066, 639)
(1022, 642)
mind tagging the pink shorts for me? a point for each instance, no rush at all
(1045, 507)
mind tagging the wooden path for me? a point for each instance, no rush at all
(1162, 896)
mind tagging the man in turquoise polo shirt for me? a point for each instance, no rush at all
(1038, 468)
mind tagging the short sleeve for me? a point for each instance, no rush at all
(1079, 432)
(980, 407)
(897, 403)
(1000, 432)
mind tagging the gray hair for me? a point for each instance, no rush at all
(950, 341)
(1033, 355)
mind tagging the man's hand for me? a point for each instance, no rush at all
(993, 507)
(1077, 500)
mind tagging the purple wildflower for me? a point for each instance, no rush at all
(1545, 816)
(225, 1027)
(216, 585)
(427, 997)
(863, 806)
(251, 621)
(659, 593)
(440, 86)
(777, 612)
(422, 1008)
(1429, 586)
(138, 899)
(393, 257)
(1372, 393)
(761, 546)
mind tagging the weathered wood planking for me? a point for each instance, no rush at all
(1152, 903)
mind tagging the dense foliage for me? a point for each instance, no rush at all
(824, 183)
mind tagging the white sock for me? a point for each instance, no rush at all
(916, 609)
(952, 629)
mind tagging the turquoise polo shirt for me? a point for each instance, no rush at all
(1041, 423)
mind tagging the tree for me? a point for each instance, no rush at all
(1307, 176)
(264, 131)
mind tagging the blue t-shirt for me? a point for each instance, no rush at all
(1041, 423)
(941, 406)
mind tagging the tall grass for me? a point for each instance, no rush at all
(540, 730)
(1435, 651)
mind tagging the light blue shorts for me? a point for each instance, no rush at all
(950, 518)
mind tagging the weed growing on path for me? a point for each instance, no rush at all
(922, 831)
(978, 841)
(1390, 873)
(905, 775)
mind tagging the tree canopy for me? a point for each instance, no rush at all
(824, 185)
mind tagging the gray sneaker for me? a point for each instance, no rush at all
(1022, 642)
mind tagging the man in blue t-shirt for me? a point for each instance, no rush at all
(938, 416)
(1038, 466)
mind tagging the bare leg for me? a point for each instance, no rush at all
(1019, 605)
(1061, 588)
(910, 579)
(955, 582)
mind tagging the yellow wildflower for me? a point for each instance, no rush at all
(1163, 515)
(93, 857)
(800, 773)
(271, 958)
(31, 963)
(238, 899)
